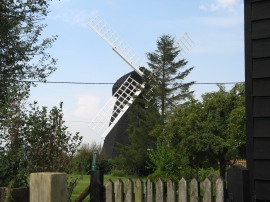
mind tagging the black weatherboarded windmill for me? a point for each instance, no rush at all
(112, 121)
(118, 134)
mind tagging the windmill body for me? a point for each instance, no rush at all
(118, 133)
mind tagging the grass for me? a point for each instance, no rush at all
(83, 182)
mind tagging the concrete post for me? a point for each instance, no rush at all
(48, 187)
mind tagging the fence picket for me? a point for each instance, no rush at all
(220, 188)
(129, 191)
(149, 191)
(171, 192)
(194, 190)
(207, 196)
(119, 191)
(160, 191)
(182, 192)
(109, 191)
(138, 190)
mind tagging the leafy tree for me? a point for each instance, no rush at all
(23, 57)
(40, 143)
(225, 117)
(162, 161)
(209, 133)
(183, 122)
(50, 146)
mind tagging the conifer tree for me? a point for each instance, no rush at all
(168, 87)
(164, 90)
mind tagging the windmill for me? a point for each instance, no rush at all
(130, 84)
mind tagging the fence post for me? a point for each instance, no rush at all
(238, 183)
(96, 186)
(48, 187)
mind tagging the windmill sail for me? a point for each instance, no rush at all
(116, 107)
(117, 44)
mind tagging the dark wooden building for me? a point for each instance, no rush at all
(257, 64)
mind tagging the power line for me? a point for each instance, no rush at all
(109, 83)
(223, 83)
(70, 82)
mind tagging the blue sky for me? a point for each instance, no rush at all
(216, 27)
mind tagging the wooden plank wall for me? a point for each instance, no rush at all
(257, 62)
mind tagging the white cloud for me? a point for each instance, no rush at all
(228, 5)
(78, 118)
(87, 106)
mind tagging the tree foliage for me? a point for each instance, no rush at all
(81, 163)
(40, 142)
(35, 139)
(132, 158)
(211, 132)
(23, 55)
(50, 145)
(168, 74)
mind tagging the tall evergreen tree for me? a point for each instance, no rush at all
(168, 74)
(164, 90)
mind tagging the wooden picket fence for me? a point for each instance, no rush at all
(171, 191)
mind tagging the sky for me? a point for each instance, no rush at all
(215, 26)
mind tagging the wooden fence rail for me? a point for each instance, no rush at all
(171, 191)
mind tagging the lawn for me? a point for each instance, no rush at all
(84, 181)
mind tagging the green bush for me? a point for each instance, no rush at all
(165, 176)
(118, 173)
(105, 165)
(210, 173)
